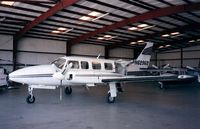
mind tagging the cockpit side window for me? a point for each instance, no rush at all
(59, 63)
(75, 64)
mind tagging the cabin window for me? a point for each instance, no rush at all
(84, 65)
(75, 64)
(108, 66)
(96, 65)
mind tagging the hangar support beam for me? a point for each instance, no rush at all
(181, 54)
(145, 16)
(59, 6)
(15, 46)
(107, 50)
(68, 49)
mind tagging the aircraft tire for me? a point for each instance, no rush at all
(68, 90)
(110, 99)
(30, 100)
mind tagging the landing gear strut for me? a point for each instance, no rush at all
(68, 90)
(112, 93)
(30, 98)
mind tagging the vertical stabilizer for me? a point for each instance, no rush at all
(143, 59)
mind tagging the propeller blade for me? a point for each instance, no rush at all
(190, 68)
(154, 66)
(166, 66)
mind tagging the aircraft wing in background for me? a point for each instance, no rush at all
(167, 77)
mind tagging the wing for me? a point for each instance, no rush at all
(141, 78)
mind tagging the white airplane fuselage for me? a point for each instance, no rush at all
(43, 74)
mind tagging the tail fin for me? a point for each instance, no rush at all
(143, 59)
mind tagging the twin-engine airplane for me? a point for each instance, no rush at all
(79, 71)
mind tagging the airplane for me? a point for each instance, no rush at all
(71, 71)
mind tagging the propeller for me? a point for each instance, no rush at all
(191, 68)
(196, 72)
(154, 66)
(60, 75)
(166, 66)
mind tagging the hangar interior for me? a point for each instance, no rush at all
(34, 32)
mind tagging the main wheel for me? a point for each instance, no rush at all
(68, 90)
(110, 99)
(30, 99)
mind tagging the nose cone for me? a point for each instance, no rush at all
(25, 74)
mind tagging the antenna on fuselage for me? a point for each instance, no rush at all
(98, 55)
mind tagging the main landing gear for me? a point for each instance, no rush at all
(110, 99)
(112, 93)
(68, 90)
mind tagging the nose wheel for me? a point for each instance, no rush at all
(30, 99)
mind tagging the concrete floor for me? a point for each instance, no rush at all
(141, 106)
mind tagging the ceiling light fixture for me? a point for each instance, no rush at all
(133, 43)
(161, 46)
(140, 41)
(95, 14)
(143, 25)
(167, 45)
(55, 31)
(165, 35)
(175, 33)
(100, 38)
(107, 36)
(133, 28)
(10, 3)
(192, 41)
(85, 18)
(62, 29)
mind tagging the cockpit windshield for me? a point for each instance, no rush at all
(59, 63)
